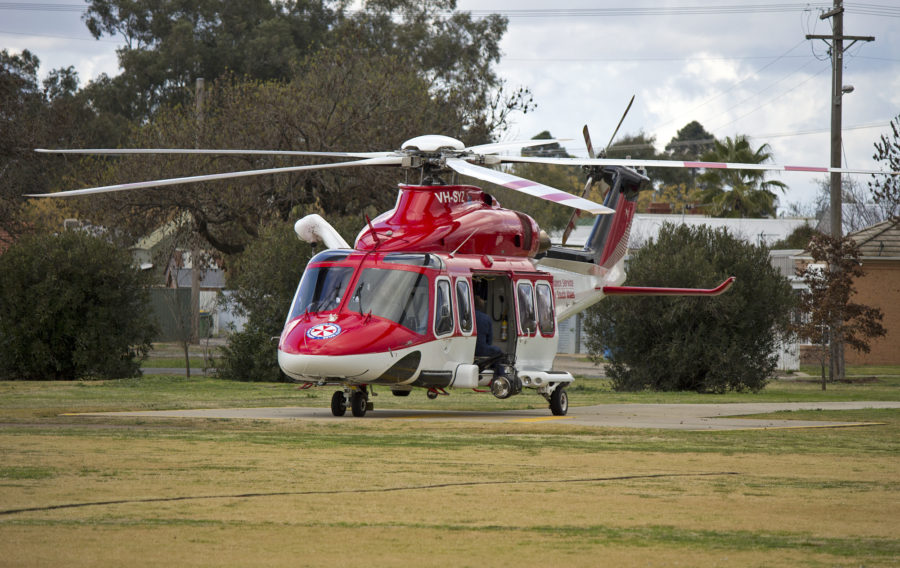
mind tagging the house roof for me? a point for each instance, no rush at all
(879, 240)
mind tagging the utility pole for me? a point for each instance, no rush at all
(837, 49)
(195, 250)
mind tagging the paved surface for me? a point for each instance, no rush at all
(664, 416)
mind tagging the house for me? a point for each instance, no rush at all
(172, 268)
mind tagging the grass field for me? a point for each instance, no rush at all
(92, 491)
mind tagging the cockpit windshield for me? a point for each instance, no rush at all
(398, 295)
(395, 294)
(321, 289)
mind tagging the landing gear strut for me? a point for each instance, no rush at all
(357, 398)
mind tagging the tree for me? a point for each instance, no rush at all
(827, 301)
(688, 144)
(35, 114)
(739, 193)
(859, 208)
(886, 189)
(264, 278)
(96, 325)
(169, 44)
(798, 239)
(694, 343)
(339, 100)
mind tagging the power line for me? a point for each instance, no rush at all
(737, 83)
(576, 149)
(651, 11)
(769, 101)
(602, 59)
(55, 36)
(42, 7)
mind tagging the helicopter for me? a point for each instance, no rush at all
(426, 285)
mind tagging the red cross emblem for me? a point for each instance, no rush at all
(323, 331)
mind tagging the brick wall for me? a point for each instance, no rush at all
(880, 287)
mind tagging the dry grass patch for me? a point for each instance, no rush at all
(273, 494)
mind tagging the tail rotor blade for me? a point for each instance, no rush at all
(570, 226)
(616, 131)
(587, 142)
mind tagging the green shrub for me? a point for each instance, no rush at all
(71, 306)
(250, 355)
(264, 278)
(703, 344)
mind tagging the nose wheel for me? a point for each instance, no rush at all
(338, 403)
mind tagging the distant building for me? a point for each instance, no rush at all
(172, 268)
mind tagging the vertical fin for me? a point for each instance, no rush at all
(608, 240)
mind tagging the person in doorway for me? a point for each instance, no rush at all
(487, 355)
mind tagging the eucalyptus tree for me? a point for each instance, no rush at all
(338, 100)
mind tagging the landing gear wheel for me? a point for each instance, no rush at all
(431, 394)
(559, 402)
(338, 403)
(358, 403)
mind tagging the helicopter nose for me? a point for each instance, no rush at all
(344, 347)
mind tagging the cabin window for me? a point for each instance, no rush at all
(321, 290)
(525, 297)
(546, 319)
(398, 295)
(464, 303)
(443, 308)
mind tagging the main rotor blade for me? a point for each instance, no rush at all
(518, 144)
(526, 186)
(638, 163)
(130, 151)
(391, 161)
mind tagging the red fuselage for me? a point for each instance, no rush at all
(455, 218)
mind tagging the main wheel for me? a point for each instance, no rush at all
(559, 402)
(358, 403)
(338, 403)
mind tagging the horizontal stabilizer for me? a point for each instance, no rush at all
(649, 291)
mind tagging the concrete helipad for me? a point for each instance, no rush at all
(664, 416)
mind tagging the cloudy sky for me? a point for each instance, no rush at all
(736, 66)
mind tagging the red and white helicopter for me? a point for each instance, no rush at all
(398, 307)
